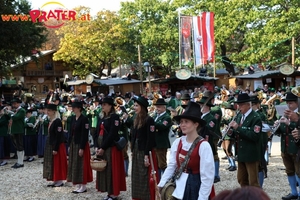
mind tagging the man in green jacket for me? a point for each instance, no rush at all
(17, 131)
(211, 124)
(163, 124)
(247, 129)
(289, 150)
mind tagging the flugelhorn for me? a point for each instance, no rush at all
(296, 91)
(119, 101)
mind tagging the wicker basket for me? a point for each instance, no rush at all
(98, 164)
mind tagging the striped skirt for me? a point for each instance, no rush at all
(143, 187)
(55, 166)
(79, 168)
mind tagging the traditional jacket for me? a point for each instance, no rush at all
(95, 117)
(109, 128)
(217, 113)
(4, 120)
(18, 126)
(28, 129)
(248, 137)
(211, 126)
(79, 131)
(144, 136)
(288, 144)
(162, 127)
(56, 136)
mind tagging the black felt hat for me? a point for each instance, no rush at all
(290, 97)
(204, 99)
(16, 100)
(109, 100)
(192, 112)
(51, 106)
(127, 95)
(242, 98)
(65, 99)
(255, 99)
(160, 101)
(142, 101)
(77, 104)
(186, 96)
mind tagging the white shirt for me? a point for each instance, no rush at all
(207, 166)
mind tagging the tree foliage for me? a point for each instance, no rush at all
(90, 46)
(18, 38)
(154, 26)
(252, 32)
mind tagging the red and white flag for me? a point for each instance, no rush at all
(204, 39)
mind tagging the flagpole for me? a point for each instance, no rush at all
(202, 45)
(179, 29)
(214, 68)
(193, 39)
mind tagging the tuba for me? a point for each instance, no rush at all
(224, 94)
(296, 91)
(271, 107)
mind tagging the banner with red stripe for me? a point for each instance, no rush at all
(186, 39)
(204, 40)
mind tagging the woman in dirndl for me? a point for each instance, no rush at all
(112, 180)
(55, 156)
(197, 178)
(142, 142)
(79, 168)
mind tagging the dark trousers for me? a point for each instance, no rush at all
(291, 164)
(17, 140)
(161, 155)
(247, 174)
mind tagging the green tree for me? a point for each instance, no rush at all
(91, 46)
(18, 38)
(251, 32)
(154, 26)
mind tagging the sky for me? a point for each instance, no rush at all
(95, 5)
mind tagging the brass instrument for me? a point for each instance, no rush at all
(156, 96)
(271, 107)
(224, 94)
(226, 130)
(119, 101)
(296, 91)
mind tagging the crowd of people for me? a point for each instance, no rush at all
(67, 131)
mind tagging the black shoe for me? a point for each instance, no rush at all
(76, 192)
(27, 159)
(31, 159)
(62, 184)
(14, 165)
(3, 163)
(17, 165)
(14, 157)
(50, 185)
(217, 179)
(232, 168)
(290, 196)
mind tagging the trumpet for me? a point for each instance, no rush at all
(227, 130)
(8, 112)
(275, 128)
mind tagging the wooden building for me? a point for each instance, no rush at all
(105, 86)
(40, 75)
(174, 84)
(273, 79)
